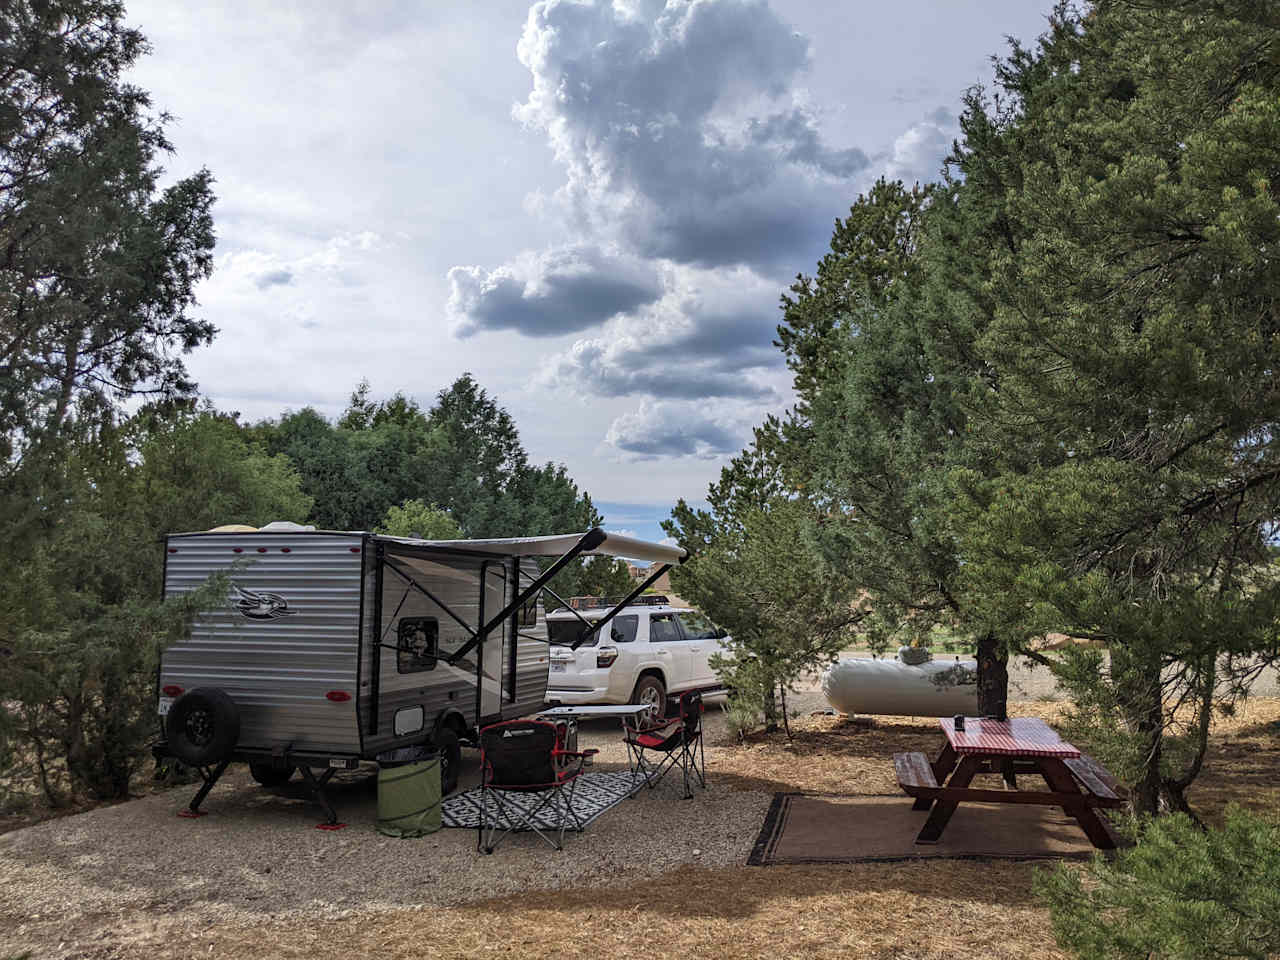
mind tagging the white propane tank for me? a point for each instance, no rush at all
(936, 688)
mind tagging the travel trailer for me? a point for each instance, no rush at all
(336, 648)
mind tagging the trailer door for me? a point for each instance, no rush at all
(493, 598)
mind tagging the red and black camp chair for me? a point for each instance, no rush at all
(677, 742)
(527, 757)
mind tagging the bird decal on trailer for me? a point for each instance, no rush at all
(261, 606)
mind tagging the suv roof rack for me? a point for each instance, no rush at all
(644, 600)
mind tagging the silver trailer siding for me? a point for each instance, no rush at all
(315, 614)
(277, 662)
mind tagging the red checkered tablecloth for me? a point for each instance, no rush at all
(1015, 737)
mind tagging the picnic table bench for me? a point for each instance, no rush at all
(1076, 782)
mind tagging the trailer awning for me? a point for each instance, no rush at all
(609, 545)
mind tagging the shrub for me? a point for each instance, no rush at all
(1180, 893)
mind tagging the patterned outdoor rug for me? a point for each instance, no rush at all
(595, 793)
(809, 828)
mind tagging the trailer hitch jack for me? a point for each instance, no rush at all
(317, 785)
(210, 776)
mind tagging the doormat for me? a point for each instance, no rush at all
(595, 793)
(806, 828)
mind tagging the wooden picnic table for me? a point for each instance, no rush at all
(1076, 783)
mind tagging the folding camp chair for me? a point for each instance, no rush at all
(678, 741)
(527, 757)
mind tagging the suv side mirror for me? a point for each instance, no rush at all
(721, 633)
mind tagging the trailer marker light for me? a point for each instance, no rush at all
(286, 550)
(237, 550)
(354, 549)
(262, 549)
(173, 549)
(171, 690)
(338, 696)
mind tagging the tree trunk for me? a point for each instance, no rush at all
(1149, 722)
(771, 711)
(993, 677)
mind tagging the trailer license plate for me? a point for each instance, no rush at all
(559, 667)
(165, 704)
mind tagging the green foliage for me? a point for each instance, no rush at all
(414, 518)
(100, 265)
(1181, 893)
(759, 579)
(1126, 477)
(462, 455)
(80, 609)
(873, 254)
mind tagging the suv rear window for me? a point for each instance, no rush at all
(561, 633)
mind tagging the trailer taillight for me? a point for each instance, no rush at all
(171, 690)
(354, 549)
(338, 696)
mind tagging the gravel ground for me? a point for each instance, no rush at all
(95, 880)
(110, 882)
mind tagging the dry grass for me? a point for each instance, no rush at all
(831, 754)
(959, 910)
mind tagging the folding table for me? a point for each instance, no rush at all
(635, 712)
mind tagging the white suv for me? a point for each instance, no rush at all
(651, 650)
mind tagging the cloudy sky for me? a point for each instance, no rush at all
(592, 207)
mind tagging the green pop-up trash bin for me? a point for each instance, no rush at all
(409, 793)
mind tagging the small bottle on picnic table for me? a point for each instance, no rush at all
(959, 721)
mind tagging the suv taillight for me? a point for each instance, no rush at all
(605, 656)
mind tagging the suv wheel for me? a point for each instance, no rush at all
(651, 692)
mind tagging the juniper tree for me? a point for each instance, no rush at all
(1129, 399)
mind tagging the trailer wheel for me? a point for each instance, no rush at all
(269, 774)
(203, 726)
(450, 760)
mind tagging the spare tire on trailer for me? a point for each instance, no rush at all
(203, 726)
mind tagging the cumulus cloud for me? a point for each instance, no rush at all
(557, 291)
(918, 153)
(679, 128)
(667, 429)
(273, 278)
(709, 336)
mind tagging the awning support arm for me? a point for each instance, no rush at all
(556, 596)
(592, 628)
(590, 540)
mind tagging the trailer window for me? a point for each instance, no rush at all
(417, 646)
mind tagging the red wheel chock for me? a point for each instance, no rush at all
(331, 826)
